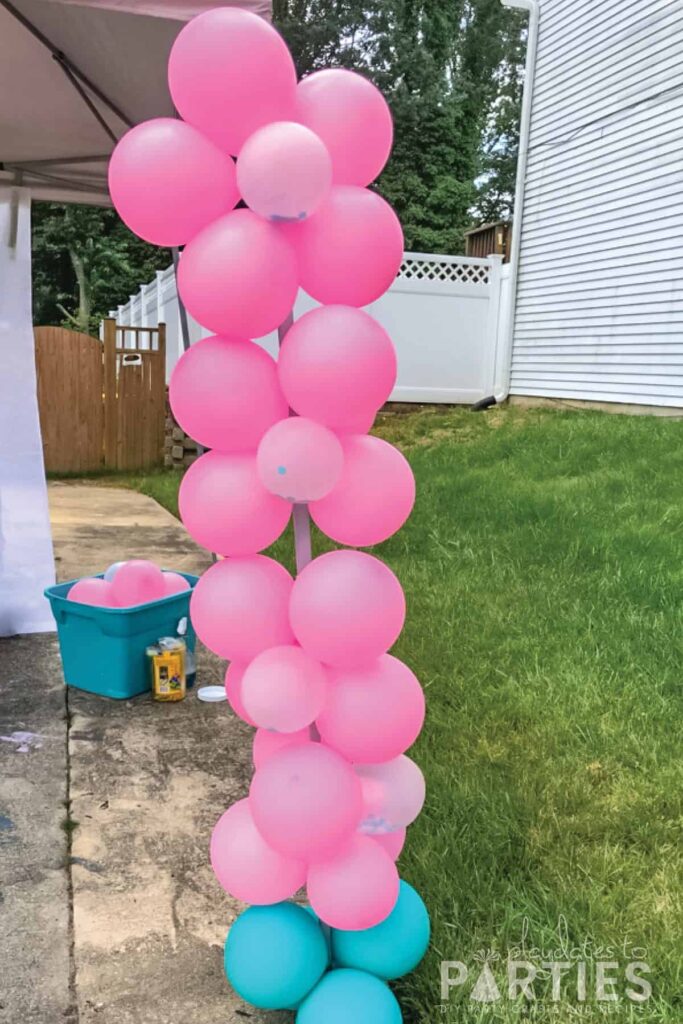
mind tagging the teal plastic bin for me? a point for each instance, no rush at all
(103, 649)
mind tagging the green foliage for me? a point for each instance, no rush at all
(500, 142)
(542, 574)
(452, 75)
(85, 261)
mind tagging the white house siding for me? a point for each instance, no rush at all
(599, 310)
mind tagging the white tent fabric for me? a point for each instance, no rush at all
(182, 10)
(26, 560)
(74, 76)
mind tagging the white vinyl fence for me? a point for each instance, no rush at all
(444, 314)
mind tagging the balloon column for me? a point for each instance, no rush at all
(333, 790)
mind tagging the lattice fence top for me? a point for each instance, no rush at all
(423, 269)
(416, 266)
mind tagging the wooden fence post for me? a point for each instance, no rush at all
(162, 346)
(110, 408)
(160, 403)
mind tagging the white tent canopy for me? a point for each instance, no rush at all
(74, 76)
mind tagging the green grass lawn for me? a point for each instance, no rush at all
(542, 569)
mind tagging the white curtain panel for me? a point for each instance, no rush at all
(26, 557)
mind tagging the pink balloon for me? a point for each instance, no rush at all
(372, 713)
(174, 583)
(372, 498)
(284, 172)
(225, 507)
(239, 607)
(229, 73)
(300, 460)
(224, 393)
(356, 888)
(284, 689)
(246, 867)
(168, 182)
(350, 251)
(347, 608)
(137, 582)
(92, 591)
(352, 118)
(306, 801)
(267, 744)
(239, 276)
(392, 842)
(337, 365)
(233, 691)
(393, 795)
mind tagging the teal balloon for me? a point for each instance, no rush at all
(350, 997)
(324, 928)
(327, 935)
(392, 948)
(274, 955)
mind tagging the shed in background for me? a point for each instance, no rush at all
(489, 240)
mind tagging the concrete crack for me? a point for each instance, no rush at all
(72, 1014)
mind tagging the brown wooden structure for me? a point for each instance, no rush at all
(489, 240)
(102, 403)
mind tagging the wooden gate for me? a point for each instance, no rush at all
(134, 395)
(70, 372)
(102, 405)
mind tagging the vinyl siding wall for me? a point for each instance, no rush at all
(599, 310)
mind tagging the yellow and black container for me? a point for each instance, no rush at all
(167, 668)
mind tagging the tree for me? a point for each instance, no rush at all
(85, 260)
(452, 73)
(442, 67)
(500, 144)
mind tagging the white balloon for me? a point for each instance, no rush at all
(393, 795)
(112, 571)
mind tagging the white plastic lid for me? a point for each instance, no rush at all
(211, 694)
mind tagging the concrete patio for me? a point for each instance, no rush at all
(110, 911)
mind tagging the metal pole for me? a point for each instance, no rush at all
(182, 312)
(302, 536)
(301, 518)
